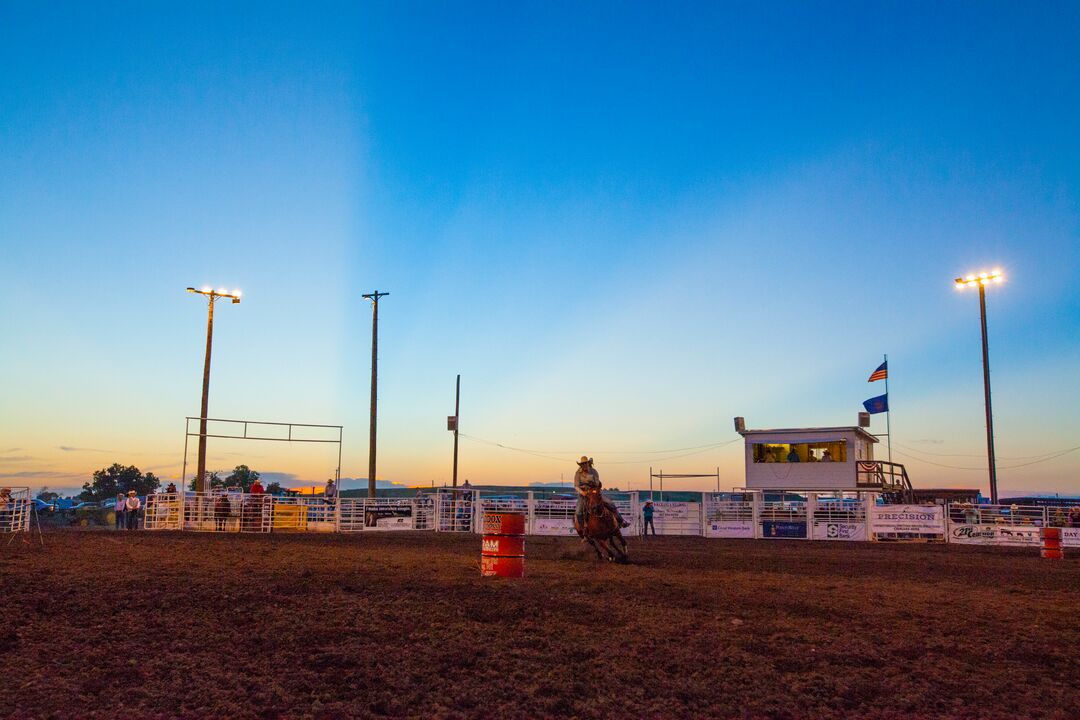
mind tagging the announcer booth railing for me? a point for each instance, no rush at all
(729, 515)
(14, 509)
(995, 524)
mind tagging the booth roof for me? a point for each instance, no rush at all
(812, 431)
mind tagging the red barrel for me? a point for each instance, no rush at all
(502, 550)
(1051, 543)
(507, 567)
(503, 546)
(504, 523)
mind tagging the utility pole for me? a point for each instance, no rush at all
(986, 394)
(200, 479)
(457, 424)
(374, 298)
(981, 281)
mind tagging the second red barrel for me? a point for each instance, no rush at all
(502, 550)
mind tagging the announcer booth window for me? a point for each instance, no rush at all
(813, 451)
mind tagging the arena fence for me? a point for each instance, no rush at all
(15, 510)
(809, 516)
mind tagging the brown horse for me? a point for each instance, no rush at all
(602, 529)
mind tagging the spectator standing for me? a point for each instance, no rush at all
(793, 456)
(120, 510)
(647, 516)
(331, 492)
(133, 505)
(257, 488)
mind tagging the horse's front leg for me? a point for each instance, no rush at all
(595, 547)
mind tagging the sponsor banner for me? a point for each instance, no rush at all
(907, 520)
(730, 529)
(985, 534)
(1070, 537)
(782, 529)
(672, 510)
(388, 519)
(824, 530)
(553, 526)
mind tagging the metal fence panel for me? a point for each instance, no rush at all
(15, 510)
(996, 524)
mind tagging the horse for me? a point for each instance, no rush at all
(602, 529)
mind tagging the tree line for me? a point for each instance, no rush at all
(116, 479)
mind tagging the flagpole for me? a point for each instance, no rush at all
(888, 411)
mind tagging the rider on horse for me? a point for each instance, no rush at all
(585, 479)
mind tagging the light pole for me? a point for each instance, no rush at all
(981, 280)
(374, 298)
(212, 295)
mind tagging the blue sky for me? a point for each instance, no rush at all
(623, 224)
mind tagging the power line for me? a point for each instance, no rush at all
(982, 455)
(1003, 467)
(551, 454)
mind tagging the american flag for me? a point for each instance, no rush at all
(881, 373)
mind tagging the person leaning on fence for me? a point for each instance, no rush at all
(647, 516)
(132, 507)
(120, 510)
(257, 488)
(330, 493)
(222, 510)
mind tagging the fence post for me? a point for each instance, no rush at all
(701, 517)
(530, 517)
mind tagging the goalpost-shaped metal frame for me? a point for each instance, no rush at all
(246, 436)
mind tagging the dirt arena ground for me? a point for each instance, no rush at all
(139, 625)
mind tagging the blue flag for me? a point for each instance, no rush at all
(877, 404)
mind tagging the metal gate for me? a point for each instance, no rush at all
(14, 509)
(454, 510)
(728, 515)
(839, 518)
(782, 519)
(164, 511)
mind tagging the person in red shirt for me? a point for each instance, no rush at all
(256, 488)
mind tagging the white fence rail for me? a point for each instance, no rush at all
(811, 516)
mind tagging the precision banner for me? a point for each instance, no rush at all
(907, 520)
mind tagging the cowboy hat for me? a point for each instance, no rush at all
(584, 459)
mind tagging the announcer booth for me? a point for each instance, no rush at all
(812, 483)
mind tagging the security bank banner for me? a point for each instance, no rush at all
(826, 530)
(907, 520)
(995, 535)
(729, 529)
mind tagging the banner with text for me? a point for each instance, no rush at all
(995, 535)
(830, 530)
(729, 529)
(900, 522)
